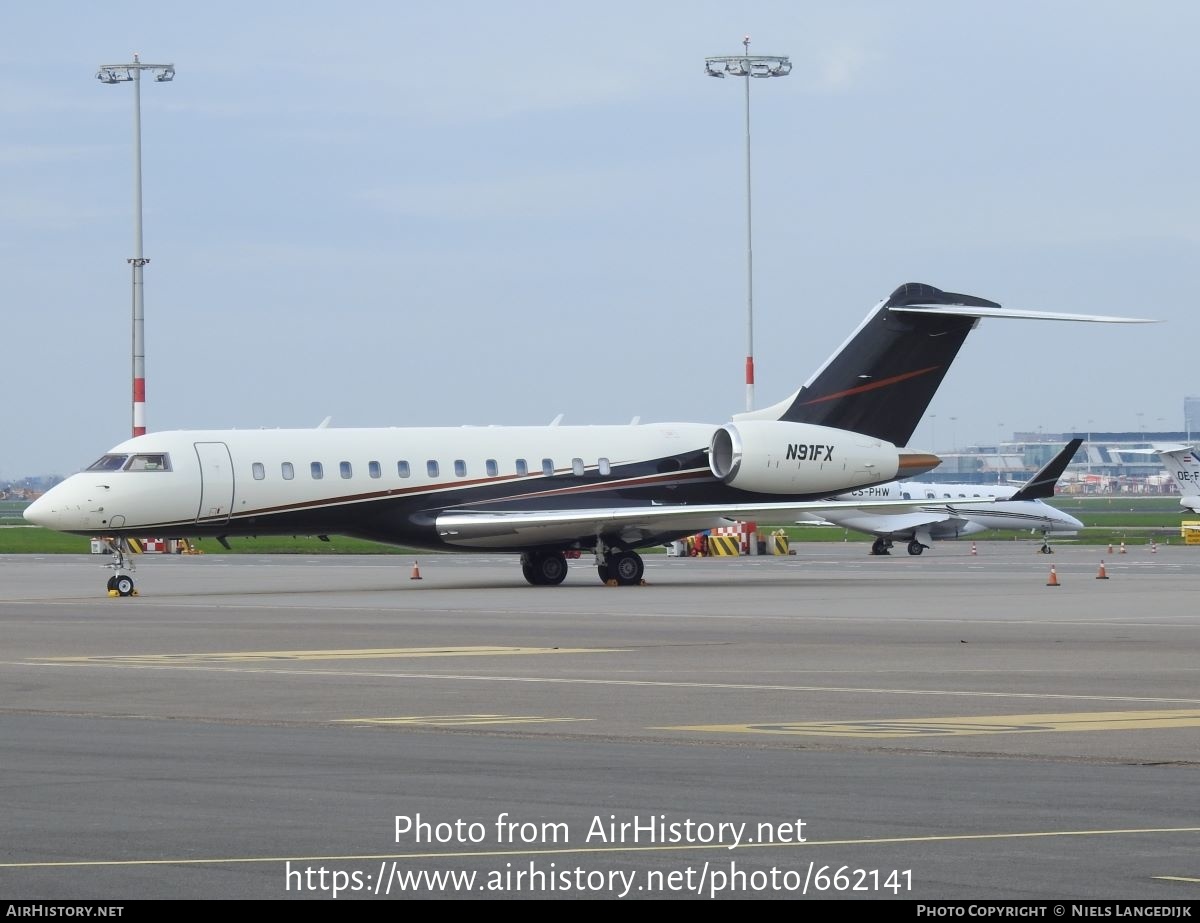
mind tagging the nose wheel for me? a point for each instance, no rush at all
(120, 583)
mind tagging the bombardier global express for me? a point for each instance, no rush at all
(543, 491)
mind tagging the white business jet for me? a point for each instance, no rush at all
(543, 491)
(996, 507)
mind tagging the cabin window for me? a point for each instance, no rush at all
(548, 467)
(604, 467)
(492, 468)
(522, 467)
(287, 470)
(403, 469)
(375, 469)
(259, 470)
(431, 468)
(460, 468)
(318, 471)
(148, 463)
(108, 463)
(577, 467)
(345, 470)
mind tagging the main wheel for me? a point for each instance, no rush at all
(915, 547)
(626, 567)
(602, 572)
(879, 546)
(545, 568)
(123, 585)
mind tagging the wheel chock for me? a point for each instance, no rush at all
(113, 593)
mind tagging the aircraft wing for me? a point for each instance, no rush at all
(867, 521)
(631, 525)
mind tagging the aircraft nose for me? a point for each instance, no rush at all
(63, 507)
(41, 512)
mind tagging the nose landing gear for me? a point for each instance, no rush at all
(120, 583)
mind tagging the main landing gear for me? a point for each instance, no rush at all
(614, 566)
(620, 568)
(884, 546)
(120, 583)
(544, 568)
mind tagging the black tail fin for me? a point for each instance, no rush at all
(882, 380)
(1041, 485)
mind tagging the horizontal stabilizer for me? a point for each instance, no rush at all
(970, 311)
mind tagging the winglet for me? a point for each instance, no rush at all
(1041, 485)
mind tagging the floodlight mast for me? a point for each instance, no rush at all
(748, 65)
(126, 73)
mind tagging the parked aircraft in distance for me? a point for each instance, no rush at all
(543, 491)
(1183, 462)
(1000, 507)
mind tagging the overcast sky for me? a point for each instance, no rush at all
(467, 212)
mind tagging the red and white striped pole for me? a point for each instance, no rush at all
(132, 73)
(139, 403)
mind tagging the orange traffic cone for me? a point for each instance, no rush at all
(1102, 575)
(1153, 546)
(1053, 581)
(1123, 548)
(1110, 547)
(973, 551)
(416, 574)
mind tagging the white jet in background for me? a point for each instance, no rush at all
(1008, 507)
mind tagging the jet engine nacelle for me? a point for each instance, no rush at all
(778, 457)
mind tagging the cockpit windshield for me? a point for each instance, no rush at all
(157, 462)
(108, 463)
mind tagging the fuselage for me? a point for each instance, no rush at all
(391, 484)
(996, 513)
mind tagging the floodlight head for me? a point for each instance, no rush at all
(166, 74)
(113, 75)
(709, 68)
